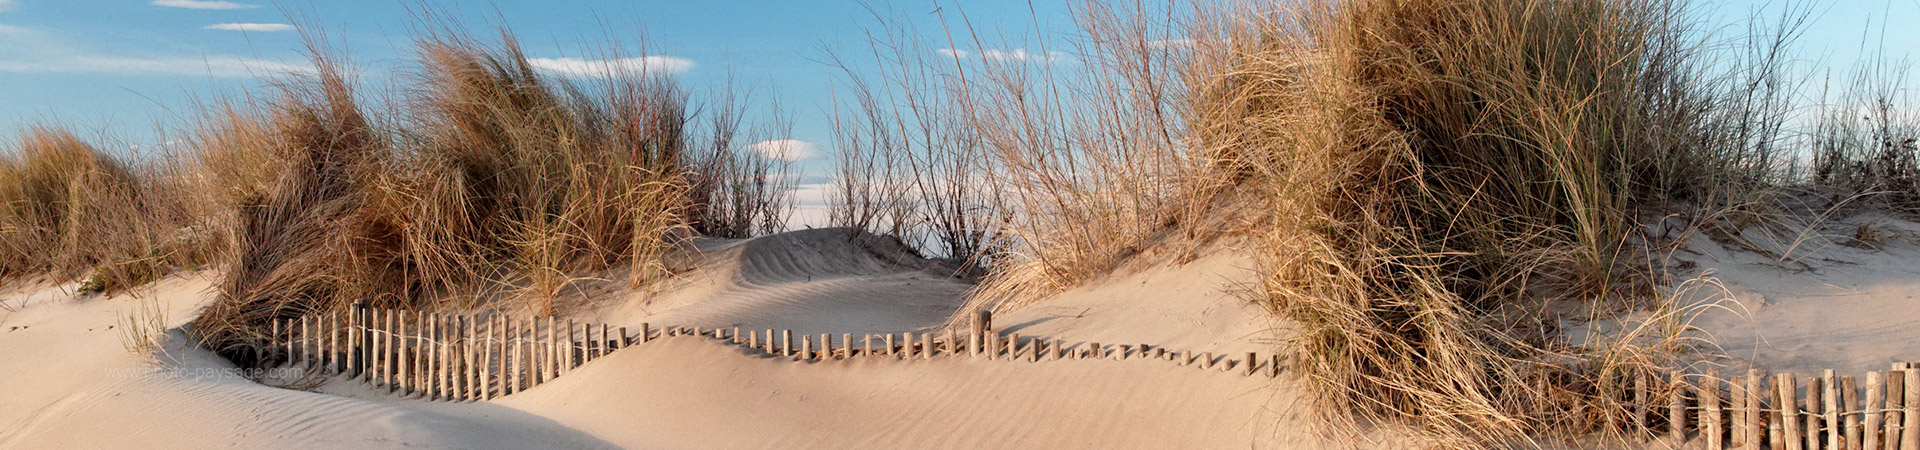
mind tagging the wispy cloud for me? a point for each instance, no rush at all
(1003, 55)
(573, 67)
(202, 4)
(215, 66)
(786, 149)
(8, 5)
(262, 27)
(1171, 44)
(30, 50)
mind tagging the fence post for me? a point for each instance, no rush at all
(389, 351)
(1812, 428)
(431, 388)
(1755, 417)
(1677, 407)
(1784, 388)
(979, 326)
(1910, 432)
(487, 359)
(1876, 400)
(1710, 402)
(1893, 414)
(1736, 411)
(1850, 404)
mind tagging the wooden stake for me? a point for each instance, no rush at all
(1812, 428)
(1876, 401)
(1785, 391)
(889, 343)
(806, 348)
(1710, 400)
(1850, 402)
(786, 341)
(1756, 418)
(1910, 429)
(1836, 429)
(1892, 415)
(1737, 412)
(1676, 407)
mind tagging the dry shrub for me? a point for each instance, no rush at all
(1444, 175)
(67, 210)
(1042, 167)
(489, 184)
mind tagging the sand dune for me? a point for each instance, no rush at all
(813, 281)
(688, 392)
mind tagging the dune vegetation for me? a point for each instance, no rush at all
(1434, 188)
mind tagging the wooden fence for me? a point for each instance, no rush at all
(481, 357)
(485, 356)
(1756, 410)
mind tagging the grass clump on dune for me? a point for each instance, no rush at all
(1436, 187)
(489, 184)
(69, 210)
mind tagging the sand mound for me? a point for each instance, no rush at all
(84, 390)
(77, 387)
(832, 280)
(1823, 299)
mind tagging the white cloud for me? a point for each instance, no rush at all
(786, 149)
(29, 50)
(202, 4)
(264, 27)
(573, 67)
(1170, 44)
(8, 5)
(215, 66)
(1003, 55)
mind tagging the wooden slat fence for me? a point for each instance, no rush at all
(486, 356)
(1757, 410)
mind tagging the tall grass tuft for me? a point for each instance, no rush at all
(487, 183)
(1443, 175)
(70, 210)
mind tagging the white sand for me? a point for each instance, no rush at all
(63, 385)
(1822, 305)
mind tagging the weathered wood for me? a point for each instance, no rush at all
(806, 348)
(978, 328)
(1910, 416)
(391, 352)
(1676, 407)
(1850, 402)
(1830, 421)
(1755, 417)
(1876, 402)
(1892, 415)
(926, 340)
(1784, 395)
(431, 388)
(953, 340)
(1812, 428)
(489, 359)
(306, 340)
(1737, 412)
(1710, 417)
(786, 342)
(1641, 401)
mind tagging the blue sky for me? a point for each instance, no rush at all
(115, 70)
